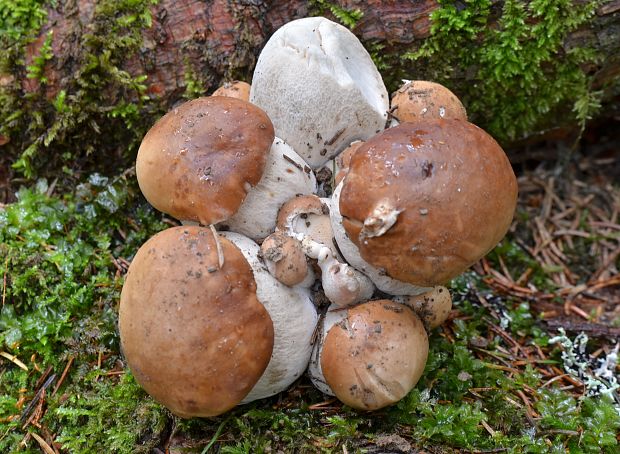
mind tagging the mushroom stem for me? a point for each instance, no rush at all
(343, 285)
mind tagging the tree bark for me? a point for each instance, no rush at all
(223, 38)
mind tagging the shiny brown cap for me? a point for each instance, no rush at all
(194, 333)
(374, 356)
(234, 89)
(421, 99)
(424, 201)
(198, 162)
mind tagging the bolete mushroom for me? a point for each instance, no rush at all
(433, 307)
(199, 161)
(370, 355)
(234, 89)
(423, 201)
(193, 330)
(285, 260)
(421, 99)
(204, 326)
(320, 88)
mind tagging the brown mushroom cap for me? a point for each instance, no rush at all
(299, 208)
(198, 162)
(194, 334)
(285, 259)
(433, 307)
(424, 201)
(421, 99)
(234, 89)
(344, 158)
(375, 356)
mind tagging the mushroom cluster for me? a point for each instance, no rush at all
(276, 271)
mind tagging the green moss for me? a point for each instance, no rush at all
(346, 16)
(101, 114)
(60, 289)
(512, 67)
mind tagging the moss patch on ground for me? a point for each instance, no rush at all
(487, 384)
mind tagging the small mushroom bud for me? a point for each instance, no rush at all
(420, 99)
(370, 355)
(234, 89)
(342, 284)
(433, 307)
(307, 216)
(286, 260)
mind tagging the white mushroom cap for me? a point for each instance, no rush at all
(294, 320)
(286, 175)
(351, 254)
(320, 88)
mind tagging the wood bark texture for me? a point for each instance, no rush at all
(224, 37)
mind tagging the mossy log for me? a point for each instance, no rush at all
(518, 66)
(221, 39)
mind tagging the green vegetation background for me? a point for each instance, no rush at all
(58, 253)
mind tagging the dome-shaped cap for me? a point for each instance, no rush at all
(374, 356)
(198, 162)
(192, 329)
(424, 201)
(421, 99)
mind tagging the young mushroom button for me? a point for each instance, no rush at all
(306, 218)
(421, 99)
(234, 89)
(285, 259)
(371, 355)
